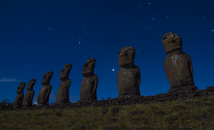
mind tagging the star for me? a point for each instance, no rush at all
(79, 42)
(149, 3)
(112, 70)
(212, 30)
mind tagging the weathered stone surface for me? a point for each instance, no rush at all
(28, 99)
(89, 83)
(20, 95)
(178, 65)
(211, 88)
(44, 93)
(62, 96)
(128, 77)
(183, 90)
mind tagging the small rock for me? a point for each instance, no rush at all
(144, 128)
(186, 128)
(211, 88)
(137, 112)
(159, 113)
(43, 114)
(114, 110)
(58, 114)
(202, 117)
(171, 119)
(110, 128)
(85, 127)
(137, 120)
(112, 120)
(154, 108)
(178, 108)
(104, 110)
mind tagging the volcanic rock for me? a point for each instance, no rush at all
(28, 99)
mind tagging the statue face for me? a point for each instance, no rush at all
(31, 84)
(88, 68)
(65, 72)
(126, 56)
(47, 77)
(171, 41)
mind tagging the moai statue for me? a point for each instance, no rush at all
(178, 65)
(28, 99)
(89, 83)
(62, 96)
(44, 93)
(20, 95)
(128, 77)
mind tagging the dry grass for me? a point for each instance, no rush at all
(193, 114)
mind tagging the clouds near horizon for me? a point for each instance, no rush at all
(7, 80)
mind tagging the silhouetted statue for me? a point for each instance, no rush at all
(89, 83)
(178, 65)
(128, 77)
(62, 96)
(28, 99)
(44, 93)
(20, 95)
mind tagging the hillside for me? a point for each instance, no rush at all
(186, 114)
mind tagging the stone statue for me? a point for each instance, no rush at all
(178, 65)
(44, 93)
(20, 95)
(89, 83)
(128, 77)
(62, 96)
(28, 99)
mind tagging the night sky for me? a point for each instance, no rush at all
(38, 36)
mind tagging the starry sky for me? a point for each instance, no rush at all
(38, 36)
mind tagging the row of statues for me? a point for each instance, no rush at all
(178, 68)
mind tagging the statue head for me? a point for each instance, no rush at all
(31, 84)
(47, 77)
(21, 87)
(171, 42)
(126, 55)
(88, 68)
(65, 72)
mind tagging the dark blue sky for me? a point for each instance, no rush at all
(38, 36)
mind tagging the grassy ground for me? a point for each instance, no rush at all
(188, 114)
